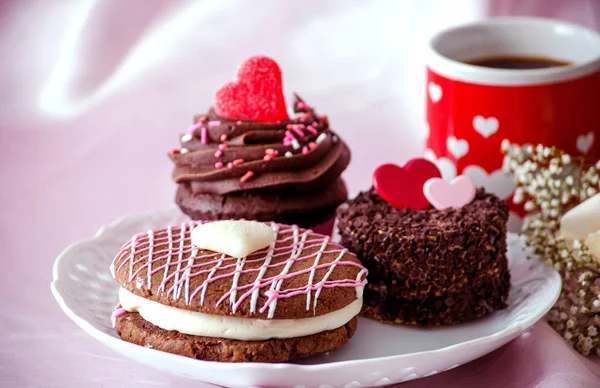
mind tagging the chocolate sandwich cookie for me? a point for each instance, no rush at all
(237, 291)
(429, 267)
(258, 162)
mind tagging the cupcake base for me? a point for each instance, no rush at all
(133, 328)
(305, 209)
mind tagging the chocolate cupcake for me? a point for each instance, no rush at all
(246, 158)
(428, 266)
(237, 291)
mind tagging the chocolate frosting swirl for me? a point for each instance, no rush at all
(222, 155)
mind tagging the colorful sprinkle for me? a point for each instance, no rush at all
(237, 162)
(289, 135)
(214, 123)
(312, 130)
(247, 176)
(193, 128)
(268, 157)
(321, 138)
(202, 119)
(229, 165)
(334, 139)
(239, 122)
(174, 151)
(218, 154)
(288, 154)
(302, 105)
(223, 146)
(219, 165)
(287, 142)
(204, 136)
(271, 151)
(295, 144)
(312, 145)
(187, 137)
(184, 150)
(224, 137)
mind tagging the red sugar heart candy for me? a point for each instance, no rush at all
(256, 94)
(402, 187)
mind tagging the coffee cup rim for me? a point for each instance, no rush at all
(457, 70)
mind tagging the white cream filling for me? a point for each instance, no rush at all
(247, 329)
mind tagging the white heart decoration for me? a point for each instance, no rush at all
(446, 166)
(498, 182)
(485, 127)
(457, 147)
(435, 91)
(584, 142)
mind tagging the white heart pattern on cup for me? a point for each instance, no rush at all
(499, 182)
(457, 147)
(584, 142)
(447, 168)
(485, 127)
(435, 91)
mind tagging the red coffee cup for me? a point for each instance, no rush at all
(471, 109)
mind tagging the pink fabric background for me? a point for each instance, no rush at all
(94, 93)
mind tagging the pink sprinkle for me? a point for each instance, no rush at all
(218, 154)
(174, 151)
(305, 117)
(287, 142)
(247, 176)
(219, 165)
(214, 123)
(237, 162)
(238, 122)
(298, 131)
(204, 135)
(305, 150)
(302, 105)
(229, 165)
(223, 146)
(271, 151)
(312, 130)
(312, 145)
(289, 135)
(202, 119)
(224, 137)
(193, 128)
(268, 157)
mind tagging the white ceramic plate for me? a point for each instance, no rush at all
(378, 354)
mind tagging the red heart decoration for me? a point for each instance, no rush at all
(402, 187)
(256, 94)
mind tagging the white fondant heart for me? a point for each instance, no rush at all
(584, 142)
(581, 220)
(456, 193)
(485, 127)
(457, 147)
(446, 166)
(234, 238)
(435, 91)
(593, 243)
(499, 182)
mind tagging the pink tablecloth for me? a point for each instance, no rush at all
(93, 94)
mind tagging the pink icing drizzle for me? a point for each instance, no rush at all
(169, 246)
(116, 314)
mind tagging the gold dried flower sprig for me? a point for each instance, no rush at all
(549, 182)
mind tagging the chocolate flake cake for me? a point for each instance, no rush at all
(429, 267)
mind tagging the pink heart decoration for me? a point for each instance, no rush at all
(457, 193)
